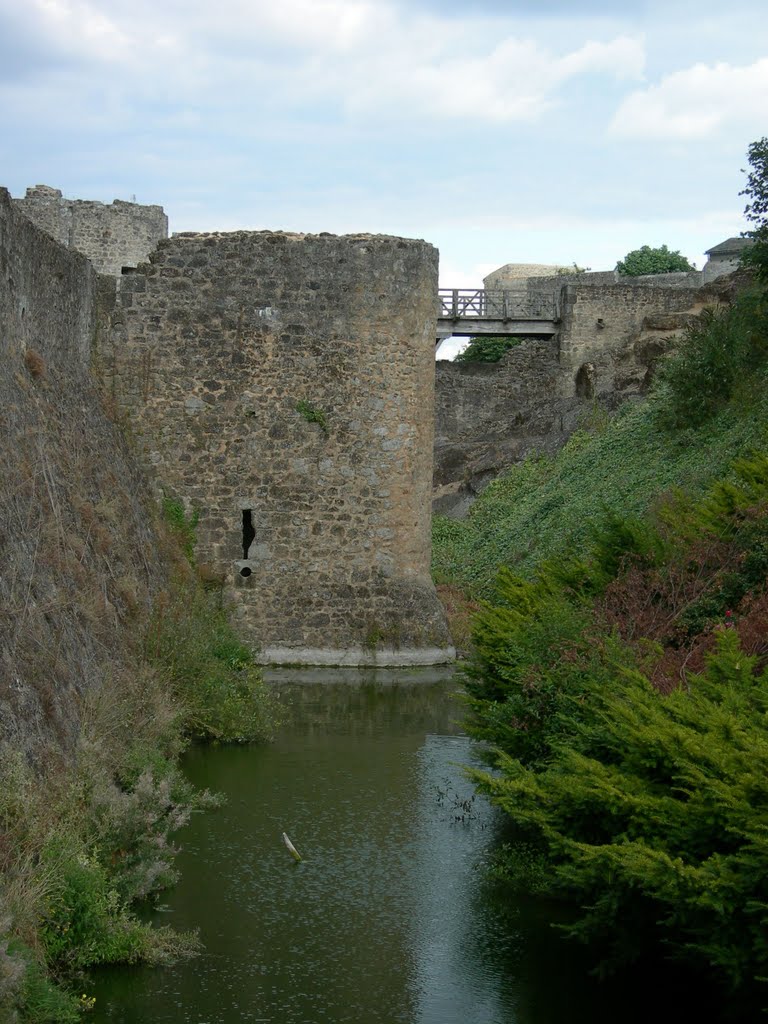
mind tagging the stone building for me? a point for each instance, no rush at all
(111, 236)
(724, 257)
(511, 275)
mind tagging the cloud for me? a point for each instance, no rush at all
(517, 80)
(696, 103)
(525, 8)
(360, 58)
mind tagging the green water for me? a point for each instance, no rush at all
(389, 917)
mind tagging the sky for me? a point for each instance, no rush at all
(502, 131)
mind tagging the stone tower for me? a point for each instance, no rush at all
(282, 386)
(112, 236)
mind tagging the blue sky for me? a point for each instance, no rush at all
(500, 131)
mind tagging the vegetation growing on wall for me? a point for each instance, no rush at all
(213, 675)
(312, 414)
(84, 836)
(573, 269)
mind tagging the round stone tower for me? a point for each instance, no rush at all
(282, 387)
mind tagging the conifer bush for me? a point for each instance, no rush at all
(653, 814)
(624, 698)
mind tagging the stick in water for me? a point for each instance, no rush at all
(291, 848)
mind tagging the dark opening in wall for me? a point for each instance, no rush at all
(585, 381)
(248, 534)
(246, 571)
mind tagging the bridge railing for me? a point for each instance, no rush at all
(482, 304)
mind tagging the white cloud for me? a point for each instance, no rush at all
(364, 57)
(696, 103)
(79, 29)
(516, 80)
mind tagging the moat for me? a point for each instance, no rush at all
(389, 918)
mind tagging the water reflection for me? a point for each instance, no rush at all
(388, 919)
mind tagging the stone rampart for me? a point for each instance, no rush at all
(283, 387)
(602, 325)
(506, 277)
(112, 236)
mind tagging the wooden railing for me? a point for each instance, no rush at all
(480, 304)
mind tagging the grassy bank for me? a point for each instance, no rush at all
(546, 506)
(84, 836)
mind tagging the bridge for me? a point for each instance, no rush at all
(471, 312)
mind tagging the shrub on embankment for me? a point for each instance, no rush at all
(112, 655)
(620, 667)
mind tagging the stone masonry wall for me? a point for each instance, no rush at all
(282, 386)
(79, 559)
(111, 236)
(506, 277)
(47, 296)
(490, 416)
(602, 325)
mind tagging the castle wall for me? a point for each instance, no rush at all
(111, 236)
(602, 324)
(48, 294)
(78, 553)
(282, 386)
(508, 277)
(489, 416)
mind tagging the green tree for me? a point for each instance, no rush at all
(647, 260)
(756, 211)
(488, 348)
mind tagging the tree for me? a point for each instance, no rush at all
(756, 211)
(652, 261)
(488, 348)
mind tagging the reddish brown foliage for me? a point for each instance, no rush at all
(651, 603)
(34, 363)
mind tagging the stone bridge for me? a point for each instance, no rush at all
(470, 312)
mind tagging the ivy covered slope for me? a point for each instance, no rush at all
(619, 671)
